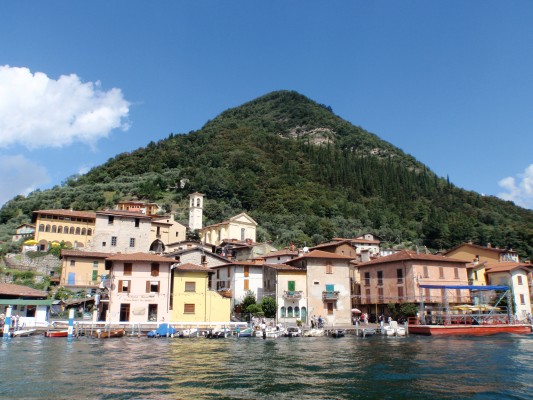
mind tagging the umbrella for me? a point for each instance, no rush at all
(356, 310)
(55, 244)
(31, 242)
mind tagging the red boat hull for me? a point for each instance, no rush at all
(470, 330)
(56, 334)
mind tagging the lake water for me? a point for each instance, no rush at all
(494, 367)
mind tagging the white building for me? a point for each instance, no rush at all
(239, 278)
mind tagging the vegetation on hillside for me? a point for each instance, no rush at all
(304, 174)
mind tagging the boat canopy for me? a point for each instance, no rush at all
(465, 287)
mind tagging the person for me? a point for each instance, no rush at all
(320, 321)
(390, 319)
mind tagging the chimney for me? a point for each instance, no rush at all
(365, 256)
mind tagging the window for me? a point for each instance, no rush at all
(137, 222)
(71, 230)
(203, 260)
(456, 273)
(367, 294)
(41, 228)
(190, 286)
(380, 295)
(218, 273)
(330, 308)
(292, 286)
(124, 312)
(72, 263)
(132, 242)
(380, 278)
(59, 229)
(329, 268)
(427, 294)
(297, 312)
(282, 312)
(103, 244)
(246, 284)
(441, 273)
(47, 229)
(158, 231)
(89, 232)
(400, 294)
(522, 299)
(155, 269)
(78, 231)
(188, 308)
(83, 231)
(367, 278)
(94, 277)
(113, 240)
(519, 277)
(426, 272)
(152, 312)
(246, 271)
(95, 264)
(475, 275)
(110, 219)
(54, 229)
(399, 276)
(242, 233)
(289, 312)
(124, 286)
(152, 286)
(128, 268)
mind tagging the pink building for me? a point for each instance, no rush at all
(396, 279)
(140, 288)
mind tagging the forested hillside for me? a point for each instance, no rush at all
(304, 174)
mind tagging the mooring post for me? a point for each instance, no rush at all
(7, 321)
(70, 323)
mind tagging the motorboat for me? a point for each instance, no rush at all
(338, 333)
(188, 333)
(368, 332)
(103, 334)
(247, 332)
(218, 333)
(315, 332)
(293, 331)
(60, 333)
(23, 332)
(163, 330)
(388, 331)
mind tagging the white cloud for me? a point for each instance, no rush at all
(519, 190)
(19, 176)
(36, 111)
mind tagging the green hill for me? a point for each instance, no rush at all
(303, 173)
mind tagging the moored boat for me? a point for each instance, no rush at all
(61, 333)
(293, 331)
(338, 333)
(23, 332)
(99, 334)
(163, 330)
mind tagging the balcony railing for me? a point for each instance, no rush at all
(330, 295)
(292, 294)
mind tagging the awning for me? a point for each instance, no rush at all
(21, 302)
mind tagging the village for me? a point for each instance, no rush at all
(136, 266)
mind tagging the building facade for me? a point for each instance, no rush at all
(240, 227)
(82, 269)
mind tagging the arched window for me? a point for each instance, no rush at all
(72, 230)
(65, 230)
(89, 232)
(297, 312)
(83, 231)
(304, 314)
(289, 312)
(41, 228)
(197, 202)
(78, 230)
(282, 312)
(47, 229)
(59, 229)
(54, 229)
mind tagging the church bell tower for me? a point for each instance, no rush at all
(196, 208)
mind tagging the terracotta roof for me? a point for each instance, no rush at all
(193, 267)
(477, 246)
(284, 252)
(406, 255)
(331, 244)
(283, 267)
(87, 254)
(140, 257)
(321, 254)
(10, 289)
(121, 213)
(357, 240)
(508, 266)
(68, 213)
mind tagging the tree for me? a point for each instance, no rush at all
(248, 300)
(269, 306)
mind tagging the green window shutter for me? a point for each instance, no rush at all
(292, 286)
(95, 275)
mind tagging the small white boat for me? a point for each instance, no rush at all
(388, 331)
(368, 332)
(315, 332)
(23, 332)
(189, 333)
(401, 331)
(293, 331)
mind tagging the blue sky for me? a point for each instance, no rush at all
(449, 82)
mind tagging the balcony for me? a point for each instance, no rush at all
(292, 294)
(330, 295)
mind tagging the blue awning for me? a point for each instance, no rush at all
(465, 287)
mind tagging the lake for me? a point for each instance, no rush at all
(414, 367)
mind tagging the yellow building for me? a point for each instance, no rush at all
(192, 298)
(82, 269)
(473, 252)
(74, 228)
(138, 206)
(239, 227)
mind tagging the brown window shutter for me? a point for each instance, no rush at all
(158, 285)
(147, 286)
(120, 286)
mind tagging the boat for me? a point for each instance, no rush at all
(23, 332)
(218, 333)
(61, 333)
(338, 333)
(315, 332)
(447, 321)
(293, 331)
(188, 333)
(368, 332)
(163, 330)
(388, 331)
(115, 333)
(274, 333)
(401, 331)
(247, 332)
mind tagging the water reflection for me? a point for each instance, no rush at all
(303, 368)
